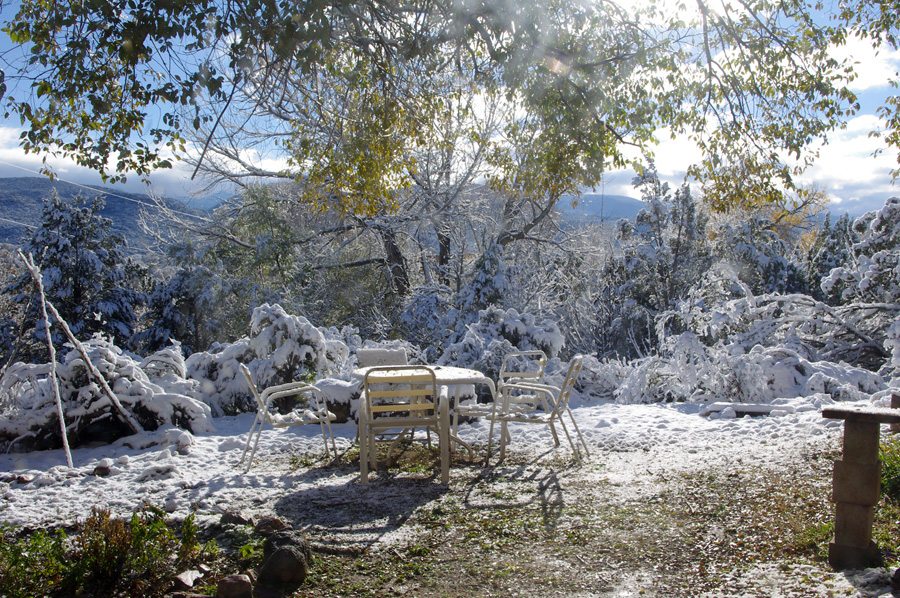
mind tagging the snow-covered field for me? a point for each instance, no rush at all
(631, 446)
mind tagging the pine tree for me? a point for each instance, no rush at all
(832, 249)
(86, 274)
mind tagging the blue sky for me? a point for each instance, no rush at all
(854, 179)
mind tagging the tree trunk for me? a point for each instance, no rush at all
(397, 268)
(443, 257)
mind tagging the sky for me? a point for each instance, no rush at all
(855, 179)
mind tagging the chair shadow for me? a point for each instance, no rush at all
(548, 494)
(352, 516)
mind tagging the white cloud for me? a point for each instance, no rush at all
(874, 67)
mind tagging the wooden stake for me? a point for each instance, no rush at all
(29, 263)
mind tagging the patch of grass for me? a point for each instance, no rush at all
(886, 531)
(107, 556)
(890, 468)
(251, 553)
(303, 461)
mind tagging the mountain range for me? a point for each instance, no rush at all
(22, 203)
(600, 208)
(22, 200)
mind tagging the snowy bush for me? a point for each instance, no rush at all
(498, 332)
(831, 249)
(598, 379)
(759, 255)
(29, 407)
(694, 372)
(281, 348)
(658, 258)
(185, 308)
(488, 284)
(892, 344)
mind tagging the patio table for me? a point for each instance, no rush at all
(453, 378)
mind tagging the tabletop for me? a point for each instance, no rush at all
(444, 375)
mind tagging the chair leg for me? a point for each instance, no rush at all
(363, 452)
(553, 431)
(401, 436)
(575, 450)
(444, 440)
(491, 430)
(325, 437)
(504, 434)
(255, 445)
(249, 439)
(331, 434)
(373, 456)
(577, 431)
(455, 429)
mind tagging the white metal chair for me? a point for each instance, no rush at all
(380, 356)
(401, 398)
(523, 366)
(536, 403)
(315, 412)
(517, 367)
(377, 356)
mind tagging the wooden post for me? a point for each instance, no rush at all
(856, 486)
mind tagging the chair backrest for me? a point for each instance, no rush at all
(523, 366)
(407, 392)
(562, 401)
(380, 356)
(246, 372)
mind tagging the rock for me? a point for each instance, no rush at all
(269, 525)
(104, 468)
(895, 581)
(186, 580)
(237, 517)
(286, 560)
(234, 586)
(284, 570)
(287, 537)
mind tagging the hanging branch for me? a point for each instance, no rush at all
(92, 370)
(29, 263)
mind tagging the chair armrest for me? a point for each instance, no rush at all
(288, 390)
(533, 386)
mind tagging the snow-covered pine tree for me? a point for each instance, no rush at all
(657, 259)
(762, 259)
(832, 249)
(86, 274)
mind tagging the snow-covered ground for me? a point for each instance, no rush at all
(181, 472)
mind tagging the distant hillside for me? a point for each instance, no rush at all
(22, 201)
(595, 207)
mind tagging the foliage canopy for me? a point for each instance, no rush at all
(347, 89)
